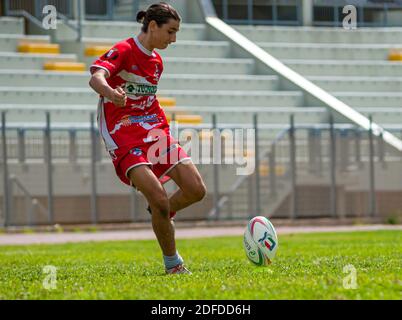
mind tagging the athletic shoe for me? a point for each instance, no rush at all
(179, 269)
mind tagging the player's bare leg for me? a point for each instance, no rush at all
(192, 187)
(148, 184)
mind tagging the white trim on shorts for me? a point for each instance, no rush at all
(102, 125)
(174, 165)
(135, 165)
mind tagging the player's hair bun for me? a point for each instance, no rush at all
(140, 16)
(160, 12)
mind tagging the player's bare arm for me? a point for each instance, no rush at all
(99, 84)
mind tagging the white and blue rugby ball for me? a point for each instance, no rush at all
(260, 241)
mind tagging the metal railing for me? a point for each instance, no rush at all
(31, 205)
(270, 12)
(320, 151)
(369, 13)
(33, 11)
(111, 10)
(91, 9)
(282, 155)
(35, 7)
(274, 12)
(290, 12)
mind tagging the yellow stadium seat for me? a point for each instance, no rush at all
(265, 170)
(65, 66)
(207, 134)
(395, 55)
(167, 102)
(33, 47)
(186, 118)
(96, 51)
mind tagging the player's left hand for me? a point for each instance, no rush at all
(119, 97)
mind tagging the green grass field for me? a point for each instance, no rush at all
(307, 266)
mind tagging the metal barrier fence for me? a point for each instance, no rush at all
(281, 155)
(72, 10)
(369, 13)
(275, 12)
(290, 12)
(267, 12)
(35, 7)
(93, 9)
(321, 154)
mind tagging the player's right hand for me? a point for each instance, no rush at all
(119, 97)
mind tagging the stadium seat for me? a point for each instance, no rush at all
(265, 170)
(185, 118)
(166, 101)
(95, 51)
(64, 66)
(27, 47)
(395, 55)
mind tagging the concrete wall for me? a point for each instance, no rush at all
(314, 201)
(75, 179)
(111, 209)
(352, 193)
(72, 194)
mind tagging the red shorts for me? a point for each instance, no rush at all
(162, 156)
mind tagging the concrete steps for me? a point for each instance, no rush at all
(24, 61)
(55, 95)
(321, 35)
(236, 98)
(80, 113)
(218, 82)
(11, 25)
(33, 78)
(345, 68)
(119, 30)
(369, 84)
(208, 66)
(371, 99)
(10, 42)
(333, 51)
(181, 48)
(225, 114)
(177, 65)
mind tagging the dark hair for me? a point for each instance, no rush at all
(160, 12)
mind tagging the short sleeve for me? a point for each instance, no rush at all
(112, 61)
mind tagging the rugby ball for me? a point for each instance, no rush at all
(260, 241)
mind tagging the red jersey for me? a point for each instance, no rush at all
(137, 71)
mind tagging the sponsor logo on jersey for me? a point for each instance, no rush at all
(140, 89)
(129, 120)
(112, 54)
(136, 152)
